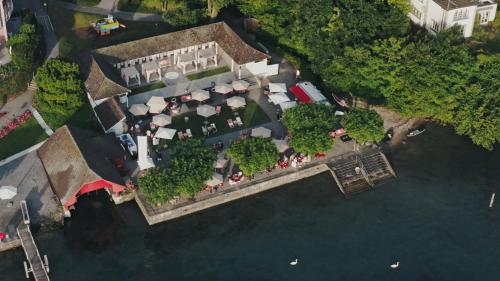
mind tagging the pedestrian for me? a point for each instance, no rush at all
(297, 74)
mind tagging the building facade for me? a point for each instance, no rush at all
(6, 8)
(436, 15)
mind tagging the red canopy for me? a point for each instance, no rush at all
(300, 94)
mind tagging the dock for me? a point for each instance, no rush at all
(36, 265)
(359, 171)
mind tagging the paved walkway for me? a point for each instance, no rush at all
(40, 121)
(16, 107)
(105, 8)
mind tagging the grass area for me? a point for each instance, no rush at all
(76, 35)
(147, 6)
(23, 137)
(147, 88)
(88, 3)
(208, 73)
(251, 115)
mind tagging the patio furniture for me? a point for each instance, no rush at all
(156, 141)
(189, 133)
(162, 120)
(127, 142)
(186, 98)
(223, 89)
(218, 110)
(238, 121)
(278, 98)
(214, 128)
(261, 132)
(236, 102)
(180, 135)
(156, 104)
(204, 130)
(277, 87)
(205, 110)
(240, 85)
(200, 95)
(165, 133)
(230, 123)
(138, 109)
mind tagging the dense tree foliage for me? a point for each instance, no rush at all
(24, 46)
(253, 154)
(190, 167)
(364, 125)
(184, 15)
(309, 126)
(60, 91)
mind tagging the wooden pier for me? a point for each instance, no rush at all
(359, 171)
(36, 265)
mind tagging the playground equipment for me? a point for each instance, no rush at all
(105, 25)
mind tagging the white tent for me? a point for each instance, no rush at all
(223, 88)
(261, 132)
(143, 159)
(165, 133)
(200, 95)
(281, 145)
(215, 180)
(162, 120)
(139, 109)
(286, 105)
(277, 88)
(7, 192)
(156, 104)
(205, 110)
(240, 85)
(278, 98)
(236, 102)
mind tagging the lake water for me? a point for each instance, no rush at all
(433, 218)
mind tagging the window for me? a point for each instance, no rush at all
(416, 13)
(460, 14)
(485, 17)
(435, 25)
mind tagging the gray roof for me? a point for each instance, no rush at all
(109, 113)
(100, 78)
(73, 157)
(456, 4)
(219, 32)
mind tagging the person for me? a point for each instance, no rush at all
(297, 74)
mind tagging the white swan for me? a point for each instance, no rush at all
(294, 262)
(395, 265)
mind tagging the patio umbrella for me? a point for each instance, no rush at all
(240, 85)
(205, 110)
(261, 132)
(223, 88)
(156, 104)
(162, 120)
(165, 133)
(278, 98)
(215, 180)
(286, 105)
(139, 109)
(200, 95)
(236, 102)
(281, 145)
(7, 192)
(277, 88)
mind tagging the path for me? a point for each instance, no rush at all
(40, 121)
(105, 8)
(16, 107)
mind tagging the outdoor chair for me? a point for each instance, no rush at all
(180, 135)
(189, 134)
(218, 110)
(230, 123)
(204, 130)
(238, 121)
(213, 127)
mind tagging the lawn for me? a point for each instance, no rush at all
(23, 137)
(147, 88)
(251, 115)
(147, 6)
(76, 35)
(208, 73)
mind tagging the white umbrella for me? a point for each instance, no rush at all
(162, 120)
(223, 88)
(281, 145)
(278, 98)
(236, 102)
(215, 180)
(261, 132)
(165, 133)
(205, 110)
(7, 192)
(156, 104)
(240, 85)
(286, 105)
(139, 109)
(200, 95)
(277, 88)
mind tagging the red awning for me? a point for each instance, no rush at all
(300, 94)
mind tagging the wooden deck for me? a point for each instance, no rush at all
(36, 264)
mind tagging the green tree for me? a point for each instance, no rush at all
(25, 46)
(310, 141)
(364, 125)
(253, 154)
(184, 15)
(158, 186)
(214, 6)
(60, 91)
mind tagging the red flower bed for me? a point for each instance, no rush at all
(12, 125)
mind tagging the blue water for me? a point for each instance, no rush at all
(433, 218)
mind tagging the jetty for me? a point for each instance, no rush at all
(36, 265)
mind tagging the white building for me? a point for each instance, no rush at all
(6, 8)
(436, 15)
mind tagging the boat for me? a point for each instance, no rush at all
(340, 101)
(415, 132)
(294, 262)
(395, 265)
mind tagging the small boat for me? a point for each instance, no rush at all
(294, 262)
(415, 132)
(395, 265)
(340, 101)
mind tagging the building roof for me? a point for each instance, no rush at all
(101, 80)
(456, 4)
(219, 32)
(109, 113)
(73, 157)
